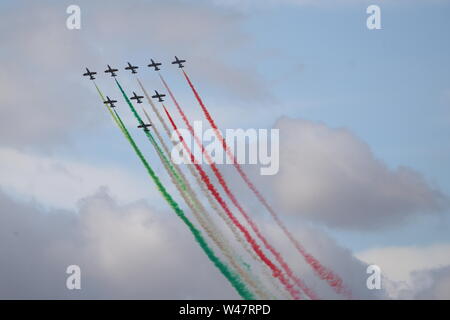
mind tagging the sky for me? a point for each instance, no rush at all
(364, 156)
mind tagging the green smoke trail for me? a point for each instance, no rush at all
(121, 125)
(194, 204)
(233, 278)
(205, 221)
(211, 201)
(201, 185)
(150, 136)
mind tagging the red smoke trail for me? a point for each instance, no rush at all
(323, 272)
(233, 199)
(276, 272)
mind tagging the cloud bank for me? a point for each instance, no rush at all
(330, 176)
(413, 272)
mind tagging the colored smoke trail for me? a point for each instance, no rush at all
(222, 214)
(199, 182)
(178, 176)
(233, 278)
(276, 271)
(259, 287)
(323, 272)
(235, 202)
(194, 204)
(203, 218)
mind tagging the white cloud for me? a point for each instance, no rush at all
(398, 262)
(131, 251)
(430, 284)
(207, 36)
(413, 272)
(135, 251)
(332, 177)
(60, 183)
(325, 249)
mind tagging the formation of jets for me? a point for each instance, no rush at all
(132, 68)
(112, 71)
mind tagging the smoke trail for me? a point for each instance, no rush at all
(323, 272)
(233, 278)
(233, 199)
(196, 207)
(147, 133)
(276, 271)
(260, 289)
(222, 214)
(198, 180)
(193, 203)
(192, 171)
